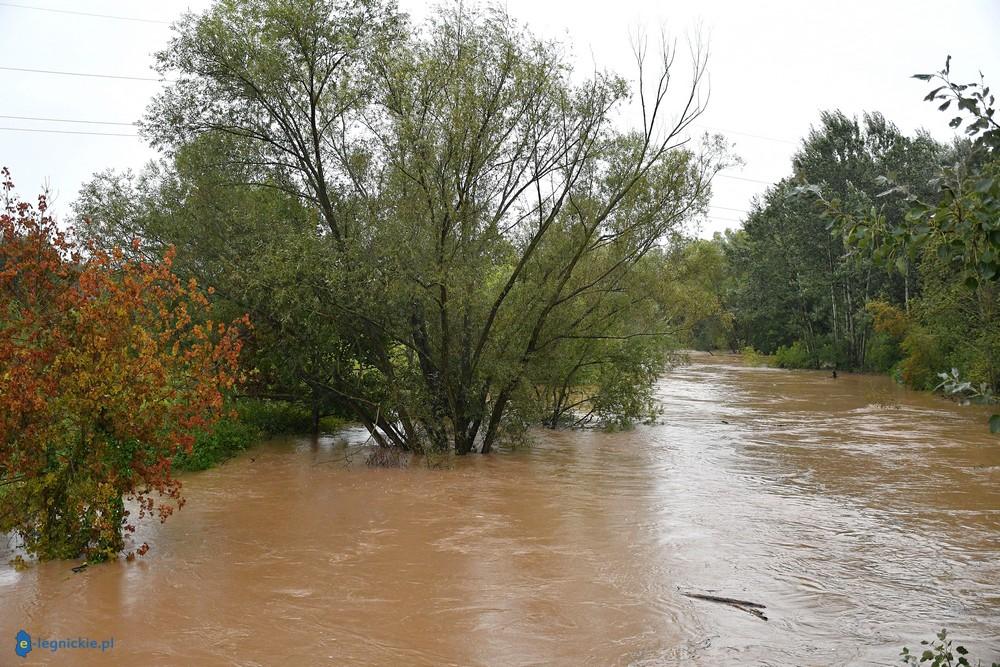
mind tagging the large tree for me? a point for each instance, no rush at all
(480, 214)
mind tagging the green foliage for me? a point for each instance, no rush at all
(437, 230)
(281, 417)
(224, 441)
(940, 652)
(694, 280)
(752, 357)
(883, 353)
(798, 277)
(253, 421)
(795, 355)
(881, 253)
(953, 385)
(923, 357)
(964, 217)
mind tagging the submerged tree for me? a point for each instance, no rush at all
(479, 217)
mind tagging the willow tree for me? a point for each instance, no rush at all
(481, 209)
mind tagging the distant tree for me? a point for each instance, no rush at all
(107, 368)
(949, 227)
(695, 281)
(806, 280)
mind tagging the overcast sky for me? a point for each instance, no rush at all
(773, 66)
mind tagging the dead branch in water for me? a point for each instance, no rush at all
(753, 608)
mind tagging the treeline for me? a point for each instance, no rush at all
(879, 252)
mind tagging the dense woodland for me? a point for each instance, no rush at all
(443, 233)
(880, 252)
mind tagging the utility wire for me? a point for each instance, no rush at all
(99, 76)
(75, 13)
(94, 134)
(66, 120)
(744, 178)
(724, 208)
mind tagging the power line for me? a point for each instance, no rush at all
(724, 208)
(69, 11)
(95, 134)
(65, 120)
(99, 76)
(744, 178)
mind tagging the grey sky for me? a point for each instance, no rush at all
(773, 67)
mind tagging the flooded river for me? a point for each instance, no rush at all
(864, 517)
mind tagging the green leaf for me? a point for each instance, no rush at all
(930, 95)
(995, 424)
(984, 185)
(967, 103)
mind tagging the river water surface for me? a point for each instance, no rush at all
(863, 515)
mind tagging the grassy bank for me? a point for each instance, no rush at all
(255, 420)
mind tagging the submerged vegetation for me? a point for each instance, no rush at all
(439, 231)
(245, 423)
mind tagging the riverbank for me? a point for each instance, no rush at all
(951, 384)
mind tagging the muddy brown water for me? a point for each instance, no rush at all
(863, 515)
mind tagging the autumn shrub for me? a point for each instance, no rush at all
(890, 325)
(108, 368)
